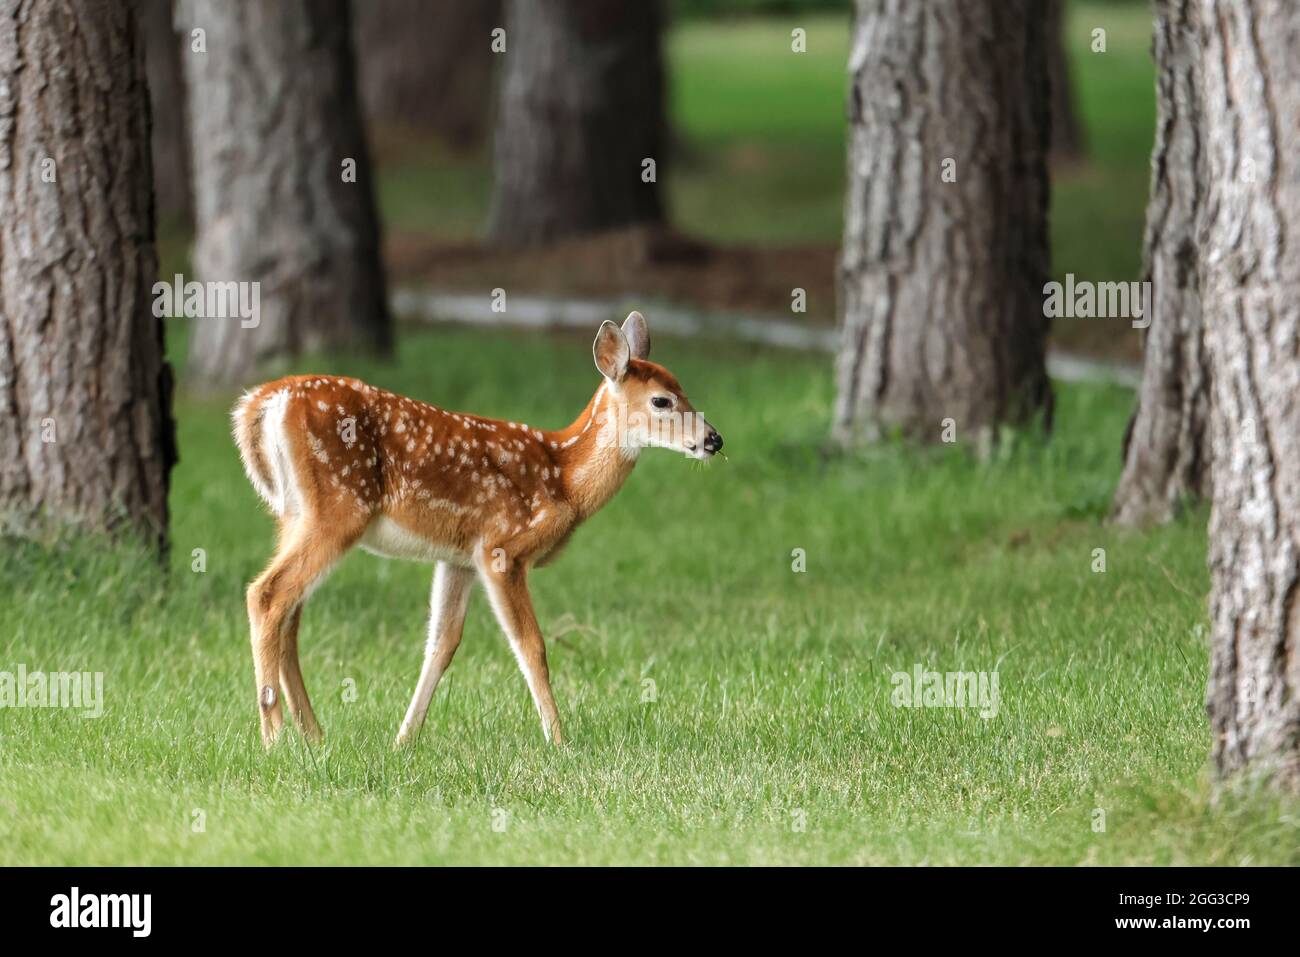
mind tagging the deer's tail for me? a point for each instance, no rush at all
(259, 432)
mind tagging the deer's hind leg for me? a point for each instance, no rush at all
(291, 683)
(307, 551)
(451, 588)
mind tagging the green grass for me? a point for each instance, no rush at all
(1098, 210)
(424, 188)
(763, 129)
(773, 688)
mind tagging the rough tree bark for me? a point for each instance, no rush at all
(581, 107)
(1166, 447)
(170, 139)
(945, 236)
(1250, 291)
(86, 433)
(428, 66)
(1068, 141)
(273, 120)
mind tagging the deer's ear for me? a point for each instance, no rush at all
(611, 351)
(638, 335)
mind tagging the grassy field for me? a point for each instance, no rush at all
(771, 737)
(761, 132)
(720, 707)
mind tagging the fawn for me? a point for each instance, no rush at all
(341, 463)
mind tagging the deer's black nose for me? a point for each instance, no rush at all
(712, 443)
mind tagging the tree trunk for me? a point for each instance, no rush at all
(274, 124)
(1068, 141)
(1250, 283)
(428, 66)
(170, 139)
(1166, 448)
(581, 110)
(945, 236)
(86, 434)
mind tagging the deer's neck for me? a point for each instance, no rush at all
(594, 463)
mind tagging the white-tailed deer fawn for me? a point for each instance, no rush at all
(341, 463)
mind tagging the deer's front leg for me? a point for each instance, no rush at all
(451, 586)
(506, 584)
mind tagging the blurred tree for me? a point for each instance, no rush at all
(170, 139)
(1166, 447)
(283, 189)
(86, 435)
(754, 8)
(428, 66)
(581, 112)
(945, 235)
(1068, 142)
(1250, 276)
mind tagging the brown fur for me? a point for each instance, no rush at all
(478, 494)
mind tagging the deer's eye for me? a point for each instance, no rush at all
(661, 402)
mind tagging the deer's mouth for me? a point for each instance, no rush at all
(710, 447)
(701, 453)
